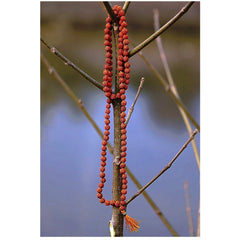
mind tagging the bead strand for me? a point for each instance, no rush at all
(123, 68)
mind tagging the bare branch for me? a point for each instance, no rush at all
(130, 111)
(125, 6)
(161, 30)
(188, 208)
(168, 89)
(69, 63)
(164, 169)
(172, 84)
(110, 12)
(198, 227)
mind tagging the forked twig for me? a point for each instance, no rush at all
(161, 30)
(172, 84)
(164, 169)
(130, 111)
(72, 65)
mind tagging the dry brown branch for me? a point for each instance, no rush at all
(188, 209)
(165, 168)
(130, 111)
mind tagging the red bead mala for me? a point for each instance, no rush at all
(124, 79)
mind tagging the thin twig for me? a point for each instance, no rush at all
(168, 89)
(110, 12)
(161, 30)
(69, 63)
(198, 227)
(188, 209)
(153, 205)
(172, 84)
(53, 72)
(125, 6)
(130, 111)
(164, 169)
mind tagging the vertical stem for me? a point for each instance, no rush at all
(117, 217)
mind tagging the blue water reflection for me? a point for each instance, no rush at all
(70, 153)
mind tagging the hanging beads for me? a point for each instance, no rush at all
(123, 68)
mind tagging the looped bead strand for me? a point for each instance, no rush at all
(123, 68)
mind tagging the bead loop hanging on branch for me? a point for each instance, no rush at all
(123, 69)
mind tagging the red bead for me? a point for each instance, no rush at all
(117, 204)
(124, 191)
(123, 18)
(102, 175)
(124, 186)
(124, 24)
(122, 120)
(103, 180)
(102, 169)
(127, 70)
(102, 200)
(99, 190)
(99, 195)
(106, 133)
(107, 202)
(103, 158)
(122, 91)
(122, 208)
(123, 125)
(123, 148)
(122, 170)
(123, 137)
(124, 176)
(108, 25)
(120, 45)
(107, 94)
(123, 103)
(108, 19)
(124, 181)
(107, 121)
(122, 165)
(127, 75)
(104, 148)
(123, 159)
(123, 96)
(113, 96)
(103, 153)
(106, 137)
(112, 202)
(123, 154)
(103, 164)
(124, 31)
(121, 80)
(107, 43)
(123, 203)
(123, 143)
(123, 108)
(123, 197)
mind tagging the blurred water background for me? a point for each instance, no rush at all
(70, 147)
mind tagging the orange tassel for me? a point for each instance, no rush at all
(131, 224)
